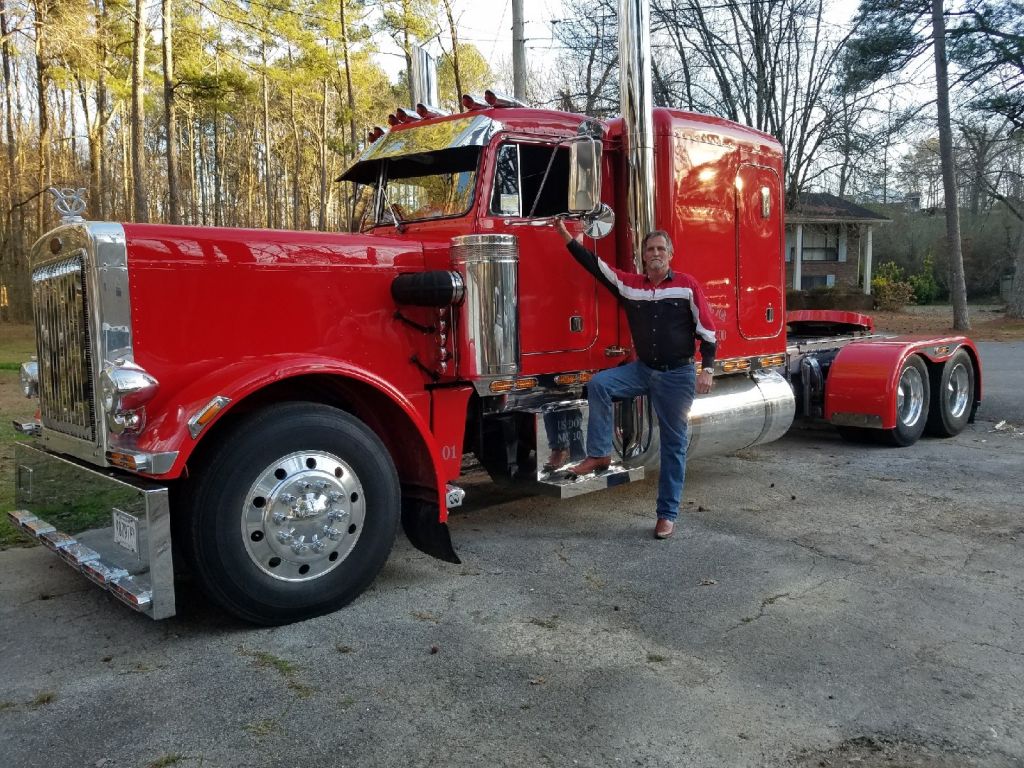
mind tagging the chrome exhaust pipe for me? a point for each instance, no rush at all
(636, 106)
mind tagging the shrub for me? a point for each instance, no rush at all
(891, 291)
(926, 289)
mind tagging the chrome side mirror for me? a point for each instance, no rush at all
(600, 222)
(584, 175)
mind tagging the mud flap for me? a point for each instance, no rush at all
(421, 526)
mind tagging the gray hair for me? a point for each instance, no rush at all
(657, 233)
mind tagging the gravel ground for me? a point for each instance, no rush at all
(822, 604)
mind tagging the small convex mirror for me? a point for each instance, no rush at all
(599, 222)
(584, 175)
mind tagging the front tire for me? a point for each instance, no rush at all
(952, 396)
(294, 515)
(912, 402)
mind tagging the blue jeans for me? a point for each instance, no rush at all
(671, 394)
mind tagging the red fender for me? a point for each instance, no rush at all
(167, 429)
(862, 382)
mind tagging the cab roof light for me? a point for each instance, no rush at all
(496, 99)
(375, 133)
(469, 101)
(406, 115)
(425, 111)
(393, 120)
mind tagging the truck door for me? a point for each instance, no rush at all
(557, 299)
(759, 252)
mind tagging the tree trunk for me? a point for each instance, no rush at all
(267, 180)
(455, 60)
(139, 187)
(170, 116)
(42, 84)
(1015, 305)
(17, 274)
(957, 283)
(322, 223)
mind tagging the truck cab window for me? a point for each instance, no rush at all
(429, 185)
(518, 174)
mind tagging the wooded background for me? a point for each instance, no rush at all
(232, 113)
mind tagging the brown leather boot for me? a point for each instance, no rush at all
(663, 528)
(558, 459)
(590, 464)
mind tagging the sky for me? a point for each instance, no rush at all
(488, 26)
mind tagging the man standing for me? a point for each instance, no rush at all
(667, 313)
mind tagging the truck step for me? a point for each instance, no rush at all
(563, 485)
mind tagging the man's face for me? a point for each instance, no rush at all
(657, 256)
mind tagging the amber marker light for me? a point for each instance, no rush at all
(206, 414)
(731, 366)
(502, 385)
(770, 361)
(566, 379)
(522, 384)
(122, 460)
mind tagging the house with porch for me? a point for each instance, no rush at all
(829, 243)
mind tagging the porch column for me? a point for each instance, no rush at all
(798, 258)
(867, 260)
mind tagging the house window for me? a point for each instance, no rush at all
(821, 243)
(809, 282)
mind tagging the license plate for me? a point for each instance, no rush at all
(126, 531)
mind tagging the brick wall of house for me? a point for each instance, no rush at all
(845, 273)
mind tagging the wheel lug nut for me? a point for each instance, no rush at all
(334, 496)
(279, 518)
(332, 533)
(318, 544)
(284, 537)
(287, 498)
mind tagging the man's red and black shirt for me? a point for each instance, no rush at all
(666, 320)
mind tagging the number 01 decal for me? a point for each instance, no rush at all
(448, 452)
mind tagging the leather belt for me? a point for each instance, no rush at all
(669, 366)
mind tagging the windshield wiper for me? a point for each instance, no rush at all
(391, 206)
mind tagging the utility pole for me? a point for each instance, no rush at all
(518, 52)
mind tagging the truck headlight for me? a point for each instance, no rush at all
(125, 388)
(29, 376)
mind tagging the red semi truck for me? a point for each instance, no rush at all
(261, 408)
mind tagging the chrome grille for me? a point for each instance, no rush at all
(65, 359)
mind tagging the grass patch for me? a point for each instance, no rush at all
(42, 699)
(263, 659)
(262, 728)
(166, 760)
(17, 345)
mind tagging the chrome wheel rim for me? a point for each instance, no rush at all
(303, 516)
(957, 389)
(910, 397)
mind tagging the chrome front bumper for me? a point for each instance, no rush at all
(71, 509)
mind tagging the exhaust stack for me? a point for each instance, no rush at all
(636, 106)
(423, 88)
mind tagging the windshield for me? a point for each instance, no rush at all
(429, 185)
